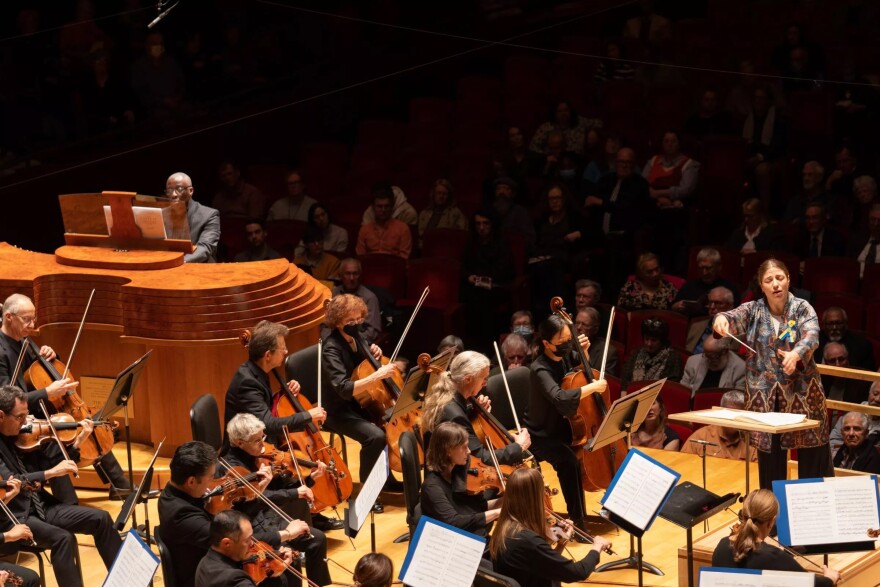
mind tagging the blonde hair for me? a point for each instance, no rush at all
(759, 507)
(341, 306)
(521, 509)
(446, 437)
(448, 383)
(242, 426)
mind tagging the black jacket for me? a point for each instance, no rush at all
(766, 558)
(533, 563)
(549, 404)
(250, 392)
(628, 211)
(337, 387)
(21, 504)
(867, 457)
(217, 570)
(9, 350)
(451, 504)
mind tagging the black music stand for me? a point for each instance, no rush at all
(413, 392)
(689, 505)
(626, 414)
(119, 398)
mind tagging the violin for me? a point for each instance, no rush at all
(873, 533)
(224, 492)
(554, 521)
(264, 562)
(482, 477)
(38, 432)
(597, 467)
(282, 463)
(13, 579)
(25, 486)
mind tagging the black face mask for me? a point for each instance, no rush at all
(352, 329)
(563, 348)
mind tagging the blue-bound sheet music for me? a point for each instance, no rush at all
(639, 490)
(135, 564)
(441, 555)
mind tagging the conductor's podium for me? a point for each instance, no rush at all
(190, 315)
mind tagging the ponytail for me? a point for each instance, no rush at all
(440, 394)
(759, 507)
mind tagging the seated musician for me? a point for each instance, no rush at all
(185, 524)
(15, 534)
(520, 545)
(51, 522)
(724, 442)
(444, 491)
(204, 222)
(859, 450)
(747, 547)
(447, 401)
(374, 569)
(246, 438)
(19, 320)
(549, 405)
(230, 539)
(345, 316)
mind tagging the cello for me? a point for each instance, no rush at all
(598, 467)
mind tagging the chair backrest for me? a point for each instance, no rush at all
(388, 271)
(165, 558)
(831, 275)
(412, 475)
(678, 327)
(204, 418)
(448, 243)
(303, 366)
(487, 578)
(683, 431)
(676, 397)
(520, 381)
(707, 398)
(752, 261)
(441, 275)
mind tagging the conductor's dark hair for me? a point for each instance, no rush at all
(191, 459)
(9, 394)
(226, 524)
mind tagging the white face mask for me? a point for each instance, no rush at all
(157, 50)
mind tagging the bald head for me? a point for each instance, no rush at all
(835, 353)
(179, 187)
(715, 353)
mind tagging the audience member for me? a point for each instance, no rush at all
(204, 222)
(812, 192)
(335, 237)
(766, 133)
(857, 219)
(515, 353)
(614, 67)
(692, 298)
(720, 299)
(384, 234)
(522, 323)
(836, 437)
(800, 73)
(237, 197)
(859, 451)
(400, 210)
(864, 247)
(449, 341)
(587, 293)
(559, 244)
(648, 290)
(564, 118)
(649, 29)
(441, 211)
(654, 433)
(259, 249)
(817, 238)
(715, 367)
(350, 283)
(721, 441)
(846, 169)
(835, 328)
(560, 163)
(588, 322)
(296, 205)
(756, 232)
(157, 80)
(598, 168)
(622, 197)
(709, 120)
(512, 217)
(672, 176)
(320, 264)
(517, 160)
(841, 388)
(104, 99)
(655, 359)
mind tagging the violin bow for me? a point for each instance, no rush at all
(78, 333)
(320, 352)
(281, 513)
(25, 343)
(412, 318)
(272, 554)
(11, 516)
(496, 464)
(607, 344)
(295, 463)
(793, 552)
(507, 388)
(55, 434)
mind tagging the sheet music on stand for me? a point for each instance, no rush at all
(135, 564)
(828, 515)
(441, 555)
(638, 491)
(722, 577)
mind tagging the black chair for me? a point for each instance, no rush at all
(165, 559)
(39, 552)
(204, 418)
(487, 578)
(303, 366)
(520, 381)
(412, 480)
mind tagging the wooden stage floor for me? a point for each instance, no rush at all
(661, 542)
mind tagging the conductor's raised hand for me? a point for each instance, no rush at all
(721, 325)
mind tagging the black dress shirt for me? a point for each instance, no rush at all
(450, 503)
(458, 411)
(549, 404)
(530, 559)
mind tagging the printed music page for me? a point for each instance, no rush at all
(640, 490)
(836, 510)
(718, 577)
(768, 418)
(135, 564)
(787, 579)
(442, 556)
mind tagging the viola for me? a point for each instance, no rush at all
(43, 373)
(554, 521)
(482, 477)
(38, 432)
(598, 467)
(264, 562)
(224, 492)
(282, 463)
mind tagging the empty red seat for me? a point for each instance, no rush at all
(676, 397)
(383, 270)
(705, 399)
(831, 275)
(448, 243)
(378, 131)
(430, 111)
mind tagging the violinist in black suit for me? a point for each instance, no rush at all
(230, 535)
(19, 320)
(51, 522)
(250, 391)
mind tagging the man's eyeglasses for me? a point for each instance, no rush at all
(178, 190)
(836, 360)
(20, 417)
(515, 357)
(27, 320)
(653, 323)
